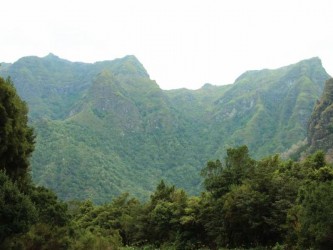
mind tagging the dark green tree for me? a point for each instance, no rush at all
(162, 220)
(312, 216)
(17, 212)
(244, 212)
(16, 137)
(219, 178)
(50, 209)
(240, 163)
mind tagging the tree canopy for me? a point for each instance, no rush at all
(16, 137)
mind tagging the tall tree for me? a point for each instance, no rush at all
(16, 137)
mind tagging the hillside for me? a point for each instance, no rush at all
(106, 128)
(320, 127)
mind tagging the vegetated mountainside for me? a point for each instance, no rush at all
(107, 128)
(320, 127)
(267, 110)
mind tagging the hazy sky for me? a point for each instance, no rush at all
(180, 43)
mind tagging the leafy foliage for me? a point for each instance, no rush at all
(320, 133)
(17, 212)
(16, 137)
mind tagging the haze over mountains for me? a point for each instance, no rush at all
(106, 128)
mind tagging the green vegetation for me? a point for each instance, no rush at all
(320, 126)
(16, 138)
(246, 204)
(106, 128)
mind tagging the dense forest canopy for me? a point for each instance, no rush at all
(16, 137)
(246, 203)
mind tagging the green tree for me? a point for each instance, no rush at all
(163, 213)
(16, 137)
(219, 178)
(244, 213)
(17, 212)
(316, 216)
(240, 163)
(311, 218)
(192, 233)
(50, 210)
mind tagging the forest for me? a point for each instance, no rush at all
(270, 203)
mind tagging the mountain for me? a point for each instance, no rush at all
(268, 110)
(107, 128)
(320, 127)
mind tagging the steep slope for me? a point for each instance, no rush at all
(122, 135)
(50, 85)
(107, 128)
(320, 126)
(268, 109)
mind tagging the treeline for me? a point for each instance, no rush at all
(246, 203)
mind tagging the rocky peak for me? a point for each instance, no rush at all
(128, 66)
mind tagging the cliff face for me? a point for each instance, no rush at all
(320, 127)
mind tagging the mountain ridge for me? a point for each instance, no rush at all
(106, 127)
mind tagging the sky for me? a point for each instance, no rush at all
(180, 43)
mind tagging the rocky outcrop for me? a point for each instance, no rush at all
(320, 127)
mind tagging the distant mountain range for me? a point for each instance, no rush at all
(107, 128)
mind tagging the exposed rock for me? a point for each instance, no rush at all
(320, 127)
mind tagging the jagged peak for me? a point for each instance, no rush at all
(312, 63)
(131, 58)
(207, 86)
(51, 56)
(130, 64)
(311, 60)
